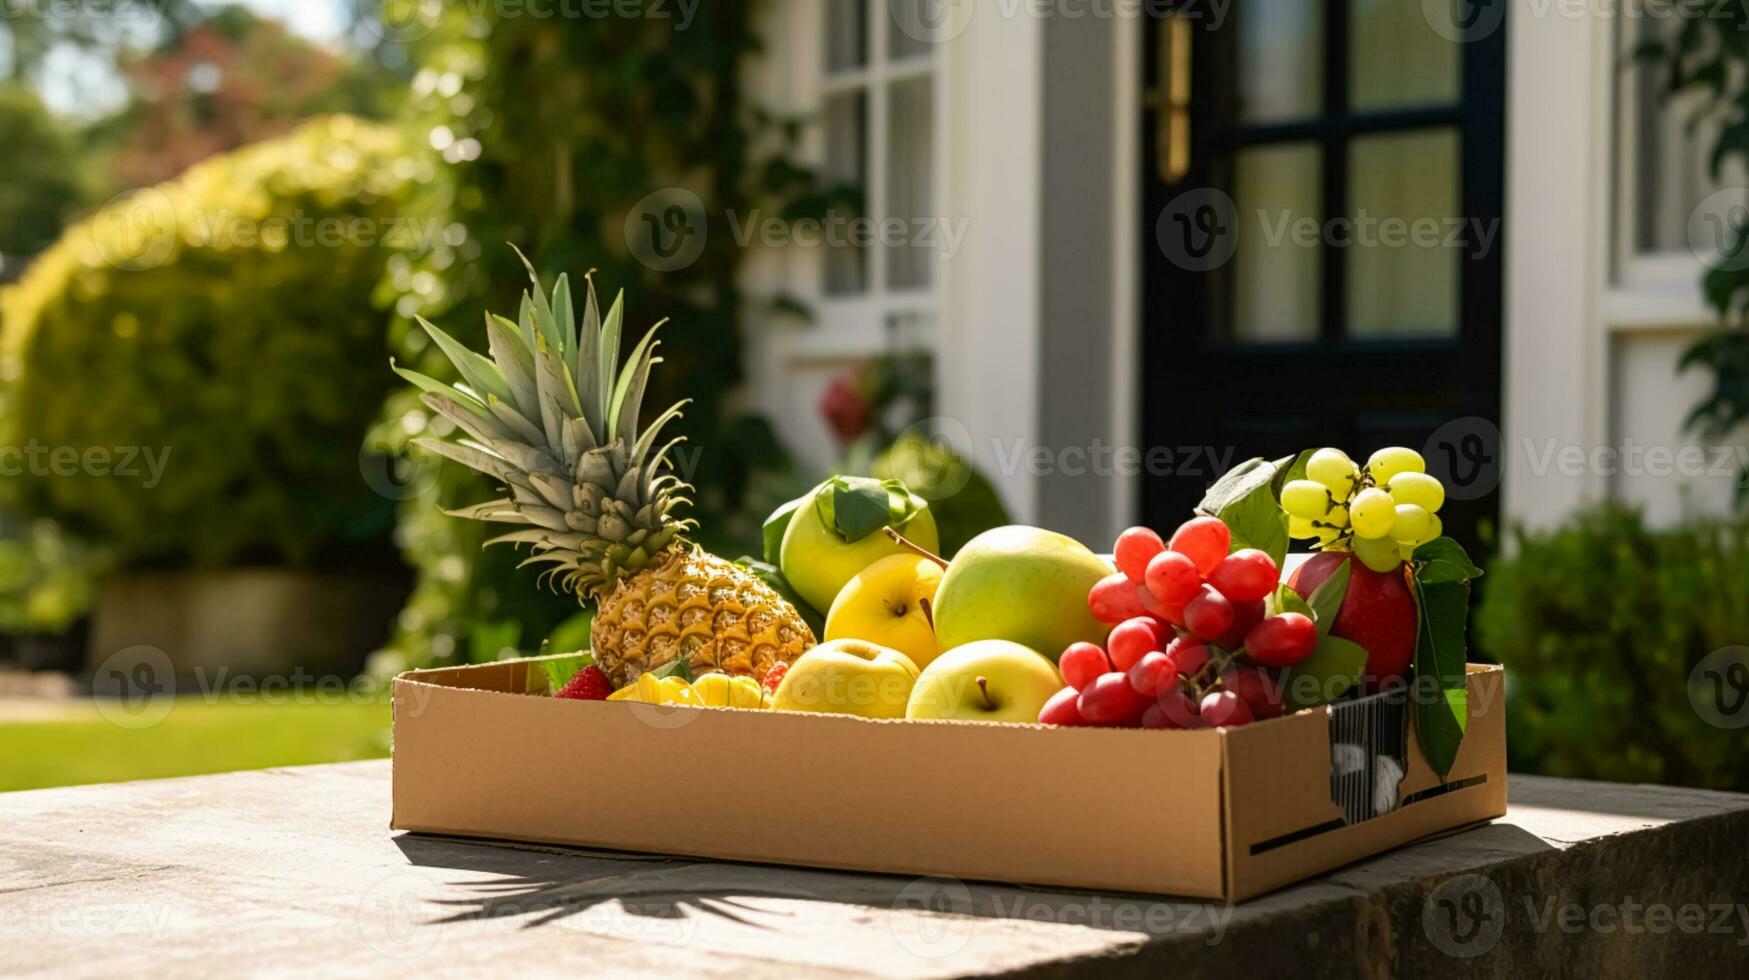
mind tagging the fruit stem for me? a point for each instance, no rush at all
(1220, 661)
(984, 690)
(921, 551)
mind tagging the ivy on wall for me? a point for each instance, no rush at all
(1706, 58)
(557, 133)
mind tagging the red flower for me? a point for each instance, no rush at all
(845, 408)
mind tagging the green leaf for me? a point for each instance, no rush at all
(1257, 521)
(1326, 599)
(772, 576)
(1286, 600)
(1440, 686)
(1239, 482)
(776, 525)
(855, 510)
(1447, 551)
(1335, 666)
(1295, 470)
(1246, 500)
(560, 670)
(478, 371)
(680, 667)
(573, 633)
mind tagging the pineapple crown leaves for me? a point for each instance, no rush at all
(552, 416)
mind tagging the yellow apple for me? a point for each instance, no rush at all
(991, 680)
(889, 603)
(848, 677)
(818, 560)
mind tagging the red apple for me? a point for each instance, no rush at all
(1378, 612)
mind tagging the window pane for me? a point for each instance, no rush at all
(911, 128)
(1403, 261)
(846, 34)
(1276, 273)
(1281, 60)
(900, 44)
(846, 132)
(1398, 59)
(1664, 159)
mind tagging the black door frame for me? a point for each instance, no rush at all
(1180, 307)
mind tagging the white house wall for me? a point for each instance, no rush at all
(1591, 351)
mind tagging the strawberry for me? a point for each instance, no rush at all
(774, 676)
(589, 684)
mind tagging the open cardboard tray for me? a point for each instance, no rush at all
(1227, 814)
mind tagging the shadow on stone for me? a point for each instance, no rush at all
(545, 885)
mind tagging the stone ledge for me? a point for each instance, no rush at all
(294, 869)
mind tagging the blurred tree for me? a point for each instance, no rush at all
(33, 29)
(232, 79)
(39, 189)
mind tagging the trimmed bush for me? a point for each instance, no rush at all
(190, 371)
(1600, 624)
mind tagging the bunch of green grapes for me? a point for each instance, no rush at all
(1381, 512)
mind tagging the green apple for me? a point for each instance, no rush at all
(837, 531)
(1022, 584)
(991, 680)
(848, 677)
(889, 603)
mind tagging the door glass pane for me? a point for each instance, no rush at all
(911, 130)
(1398, 59)
(902, 44)
(1408, 235)
(847, 164)
(1281, 60)
(846, 34)
(1277, 265)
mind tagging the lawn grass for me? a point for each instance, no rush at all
(196, 737)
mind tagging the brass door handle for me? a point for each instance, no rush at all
(1169, 98)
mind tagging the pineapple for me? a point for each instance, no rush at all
(552, 417)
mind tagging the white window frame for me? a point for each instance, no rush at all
(855, 326)
(1645, 290)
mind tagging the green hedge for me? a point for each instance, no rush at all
(225, 334)
(1600, 624)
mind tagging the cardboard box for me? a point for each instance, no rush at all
(1226, 815)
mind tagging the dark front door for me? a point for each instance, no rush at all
(1324, 184)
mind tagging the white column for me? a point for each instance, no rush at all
(1557, 211)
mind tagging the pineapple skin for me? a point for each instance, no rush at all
(688, 603)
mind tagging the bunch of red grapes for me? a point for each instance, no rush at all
(1191, 646)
